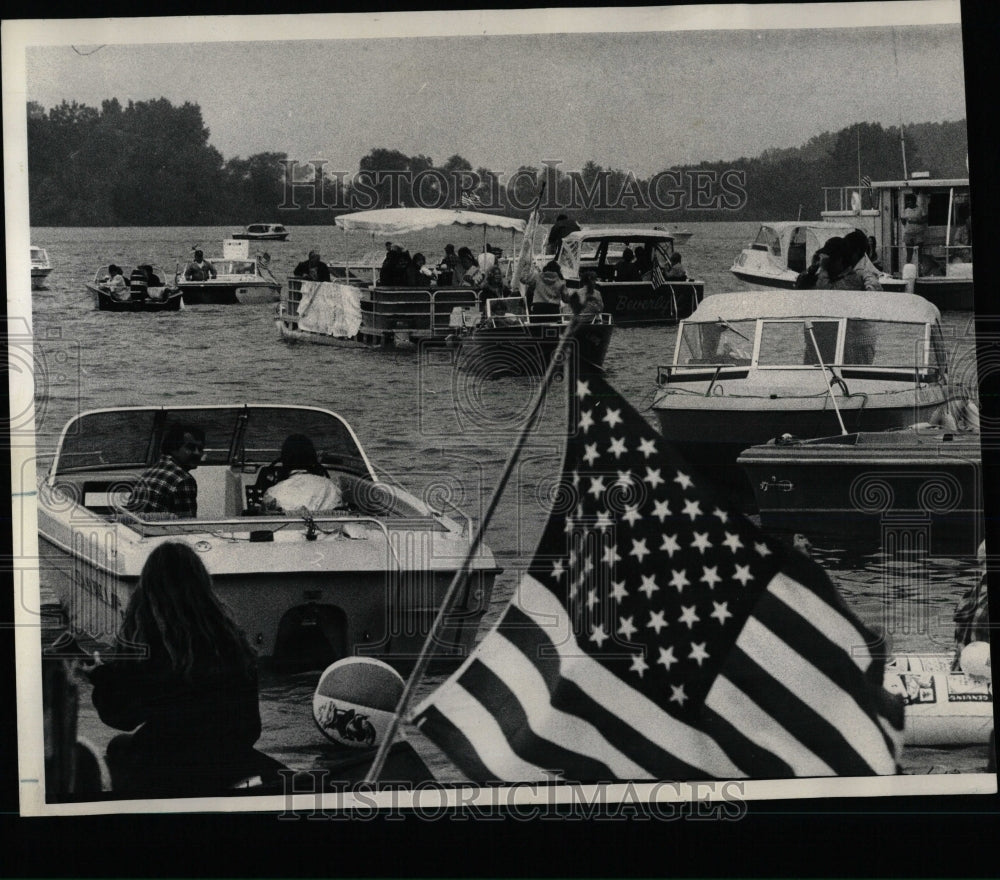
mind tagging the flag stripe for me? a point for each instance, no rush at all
(547, 720)
(485, 737)
(687, 744)
(763, 731)
(803, 722)
(825, 617)
(568, 696)
(835, 661)
(436, 726)
(515, 727)
(816, 689)
(752, 758)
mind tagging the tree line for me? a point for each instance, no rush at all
(151, 163)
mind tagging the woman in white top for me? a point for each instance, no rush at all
(299, 481)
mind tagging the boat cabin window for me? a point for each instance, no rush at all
(797, 250)
(789, 343)
(234, 267)
(717, 343)
(885, 343)
(767, 240)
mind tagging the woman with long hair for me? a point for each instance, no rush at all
(183, 674)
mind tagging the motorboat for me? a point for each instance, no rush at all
(754, 365)
(40, 266)
(649, 298)
(262, 232)
(507, 341)
(355, 307)
(239, 279)
(940, 268)
(924, 479)
(159, 296)
(781, 251)
(306, 587)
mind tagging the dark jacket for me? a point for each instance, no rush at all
(302, 270)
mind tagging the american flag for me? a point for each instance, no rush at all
(471, 200)
(657, 636)
(866, 181)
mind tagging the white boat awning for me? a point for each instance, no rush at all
(400, 221)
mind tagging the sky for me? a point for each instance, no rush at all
(627, 95)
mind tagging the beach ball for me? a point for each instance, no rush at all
(975, 660)
(355, 701)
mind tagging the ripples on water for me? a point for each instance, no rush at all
(421, 422)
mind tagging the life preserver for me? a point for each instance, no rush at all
(941, 707)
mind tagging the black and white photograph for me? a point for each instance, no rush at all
(451, 411)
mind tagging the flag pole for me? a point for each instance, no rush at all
(462, 574)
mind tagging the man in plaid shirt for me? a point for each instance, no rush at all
(168, 487)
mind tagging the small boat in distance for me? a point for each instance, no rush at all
(755, 365)
(780, 251)
(40, 267)
(307, 587)
(239, 279)
(157, 297)
(263, 232)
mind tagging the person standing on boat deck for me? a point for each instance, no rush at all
(298, 480)
(560, 229)
(586, 301)
(546, 290)
(914, 221)
(415, 274)
(167, 487)
(472, 275)
(676, 272)
(313, 268)
(190, 685)
(831, 269)
(448, 268)
(857, 249)
(199, 269)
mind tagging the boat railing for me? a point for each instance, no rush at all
(931, 259)
(841, 199)
(710, 368)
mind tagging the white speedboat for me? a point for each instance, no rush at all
(262, 232)
(755, 365)
(246, 281)
(366, 579)
(40, 266)
(780, 251)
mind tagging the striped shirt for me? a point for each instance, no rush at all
(165, 488)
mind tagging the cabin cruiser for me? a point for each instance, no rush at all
(362, 579)
(755, 365)
(262, 232)
(781, 251)
(646, 298)
(157, 296)
(40, 266)
(940, 267)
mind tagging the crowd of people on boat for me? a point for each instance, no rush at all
(842, 264)
(143, 283)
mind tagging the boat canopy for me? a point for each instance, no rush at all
(130, 437)
(860, 304)
(792, 244)
(401, 221)
(922, 183)
(599, 245)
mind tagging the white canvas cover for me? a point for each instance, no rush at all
(331, 308)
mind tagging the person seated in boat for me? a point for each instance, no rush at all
(199, 269)
(627, 270)
(929, 267)
(676, 272)
(873, 253)
(643, 262)
(140, 281)
(857, 257)
(472, 275)
(297, 480)
(418, 273)
(585, 302)
(394, 267)
(184, 679)
(116, 284)
(493, 287)
(830, 269)
(167, 489)
(546, 291)
(313, 268)
(448, 267)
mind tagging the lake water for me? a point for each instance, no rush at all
(421, 422)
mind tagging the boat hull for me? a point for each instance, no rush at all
(265, 236)
(224, 293)
(640, 304)
(107, 303)
(925, 480)
(948, 294)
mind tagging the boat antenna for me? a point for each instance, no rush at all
(829, 387)
(459, 581)
(902, 131)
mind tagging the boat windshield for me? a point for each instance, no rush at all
(718, 342)
(234, 267)
(767, 240)
(121, 439)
